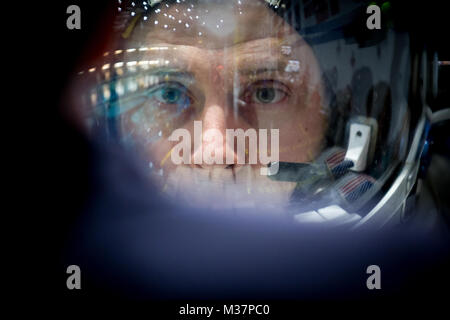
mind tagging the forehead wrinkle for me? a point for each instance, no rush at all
(240, 55)
(181, 56)
(258, 53)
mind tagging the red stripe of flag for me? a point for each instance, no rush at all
(352, 183)
(336, 158)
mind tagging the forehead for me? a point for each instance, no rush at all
(213, 24)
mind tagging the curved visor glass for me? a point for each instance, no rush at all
(289, 106)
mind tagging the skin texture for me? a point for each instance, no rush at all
(222, 57)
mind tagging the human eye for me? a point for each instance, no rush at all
(266, 92)
(158, 109)
(171, 94)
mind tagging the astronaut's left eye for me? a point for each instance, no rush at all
(265, 92)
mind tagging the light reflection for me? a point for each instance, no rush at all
(286, 50)
(119, 71)
(120, 88)
(93, 98)
(132, 85)
(106, 92)
(292, 66)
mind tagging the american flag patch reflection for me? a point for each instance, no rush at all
(337, 164)
(335, 158)
(352, 186)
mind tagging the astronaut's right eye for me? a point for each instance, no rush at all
(171, 94)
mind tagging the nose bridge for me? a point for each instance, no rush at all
(214, 124)
(216, 120)
(216, 108)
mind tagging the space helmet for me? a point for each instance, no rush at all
(311, 109)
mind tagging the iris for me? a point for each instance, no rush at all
(170, 95)
(265, 95)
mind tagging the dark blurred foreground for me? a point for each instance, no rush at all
(130, 244)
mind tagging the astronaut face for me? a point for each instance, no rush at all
(226, 65)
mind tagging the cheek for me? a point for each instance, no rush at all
(302, 135)
(160, 151)
(159, 154)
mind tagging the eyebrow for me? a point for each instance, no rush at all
(158, 72)
(171, 72)
(256, 71)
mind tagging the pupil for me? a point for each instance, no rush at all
(266, 94)
(171, 95)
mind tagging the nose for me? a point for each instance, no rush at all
(213, 149)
